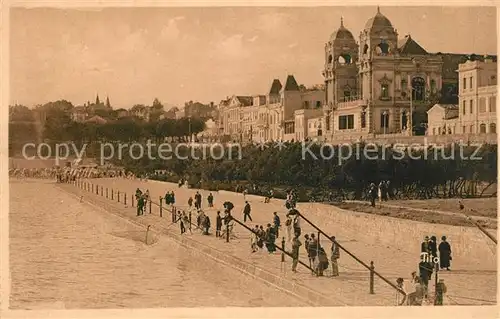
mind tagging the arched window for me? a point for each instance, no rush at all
(493, 128)
(382, 48)
(330, 58)
(344, 59)
(482, 128)
(418, 89)
(385, 91)
(404, 120)
(365, 49)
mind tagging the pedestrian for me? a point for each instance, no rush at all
(313, 249)
(289, 227)
(206, 225)
(181, 223)
(335, 257)
(433, 248)
(380, 189)
(190, 201)
(372, 193)
(322, 263)
(270, 239)
(218, 224)
(424, 246)
(246, 212)
(444, 254)
(210, 200)
(277, 224)
(245, 192)
(261, 236)
(440, 291)
(401, 285)
(197, 200)
(425, 272)
(295, 252)
(254, 239)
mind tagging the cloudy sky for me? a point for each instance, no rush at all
(180, 54)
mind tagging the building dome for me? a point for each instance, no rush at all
(378, 21)
(341, 33)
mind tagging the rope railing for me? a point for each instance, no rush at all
(371, 268)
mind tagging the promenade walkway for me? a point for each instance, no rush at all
(387, 242)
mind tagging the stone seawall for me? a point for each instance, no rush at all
(197, 248)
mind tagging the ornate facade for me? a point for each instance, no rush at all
(373, 85)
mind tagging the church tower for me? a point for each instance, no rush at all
(340, 71)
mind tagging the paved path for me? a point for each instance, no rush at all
(475, 280)
(422, 210)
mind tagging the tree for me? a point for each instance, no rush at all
(97, 102)
(108, 105)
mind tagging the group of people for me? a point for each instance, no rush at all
(429, 263)
(141, 199)
(383, 192)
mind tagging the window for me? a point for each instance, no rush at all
(471, 106)
(384, 119)
(306, 104)
(493, 128)
(493, 103)
(439, 130)
(464, 129)
(382, 48)
(404, 85)
(347, 95)
(434, 131)
(433, 86)
(363, 119)
(318, 104)
(463, 107)
(482, 105)
(330, 58)
(418, 89)
(327, 122)
(385, 91)
(464, 84)
(470, 82)
(471, 129)
(346, 122)
(482, 128)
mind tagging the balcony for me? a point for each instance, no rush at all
(350, 102)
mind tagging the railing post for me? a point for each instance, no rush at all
(132, 200)
(283, 250)
(118, 195)
(102, 193)
(173, 214)
(150, 202)
(161, 208)
(125, 199)
(97, 189)
(372, 278)
(92, 187)
(190, 223)
(106, 192)
(112, 194)
(227, 232)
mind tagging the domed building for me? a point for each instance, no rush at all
(373, 87)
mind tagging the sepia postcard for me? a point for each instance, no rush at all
(235, 160)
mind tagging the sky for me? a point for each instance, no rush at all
(134, 55)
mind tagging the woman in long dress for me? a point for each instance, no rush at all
(289, 228)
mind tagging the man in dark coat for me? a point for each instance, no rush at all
(276, 223)
(246, 212)
(444, 254)
(424, 247)
(425, 272)
(218, 224)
